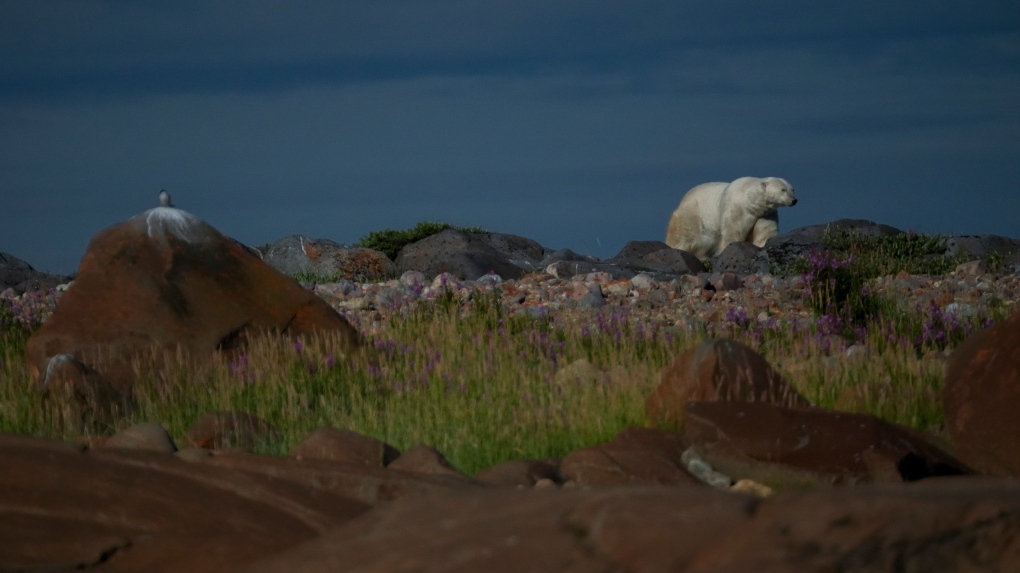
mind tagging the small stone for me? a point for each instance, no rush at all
(144, 436)
(752, 487)
(545, 483)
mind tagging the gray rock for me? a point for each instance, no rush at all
(974, 247)
(144, 436)
(471, 255)
(743, 259)
(21, 276)
(654, 258)
(299, 254)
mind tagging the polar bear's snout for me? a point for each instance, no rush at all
(794, 202)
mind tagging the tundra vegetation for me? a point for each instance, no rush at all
(480, 382)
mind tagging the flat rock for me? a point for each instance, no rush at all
(789, 448)
(125, 510)
(355, 481)
(717, 369)
(622, 529)
(981, 396)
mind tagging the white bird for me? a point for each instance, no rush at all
(164, 199)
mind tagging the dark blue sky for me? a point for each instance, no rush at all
(579, 124)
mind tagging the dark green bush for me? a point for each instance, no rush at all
(390, 241)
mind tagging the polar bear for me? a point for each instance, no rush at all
(713, 215)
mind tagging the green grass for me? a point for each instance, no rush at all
(390, 241)
(479, 383)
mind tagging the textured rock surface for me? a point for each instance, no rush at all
(632, 529)
(299, 254)
(354, 481)
(471, 255)
(717, 369)
(636, 456)
(786, 448)
(166, 279)
(62, 510)
(981, 397)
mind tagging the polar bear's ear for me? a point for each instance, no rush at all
(764, 185)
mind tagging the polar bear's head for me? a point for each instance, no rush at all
(778, 192)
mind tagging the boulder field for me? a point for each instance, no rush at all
(739, 474)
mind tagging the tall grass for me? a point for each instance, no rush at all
(483, 384)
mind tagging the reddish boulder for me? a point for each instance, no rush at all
(122, 510)
(981, 398)
(636, 456)
(165, 279)
(794, 447)
(342, 445)
(230, 430)
(717, 369)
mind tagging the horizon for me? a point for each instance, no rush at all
(579, 125)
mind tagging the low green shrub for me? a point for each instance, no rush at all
(390, 241)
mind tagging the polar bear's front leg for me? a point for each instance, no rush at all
(736, 226)
(764, 229)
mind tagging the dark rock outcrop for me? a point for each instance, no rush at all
(471, 255)
(18, 275)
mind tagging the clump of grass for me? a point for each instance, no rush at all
(911, 253)
(390, 241)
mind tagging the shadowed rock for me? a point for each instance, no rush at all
(636, 456)
(342, 445)
(981, 397)
(230, 430)
(788, 448)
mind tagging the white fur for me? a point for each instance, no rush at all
(713, 215)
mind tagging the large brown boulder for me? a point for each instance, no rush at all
(789, 448)
(619, 529)
(982, 399)
(717, 369)
(948, 525)
(166, 279)
(935, 526)
(121, 510)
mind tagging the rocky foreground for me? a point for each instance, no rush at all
(751, 478)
